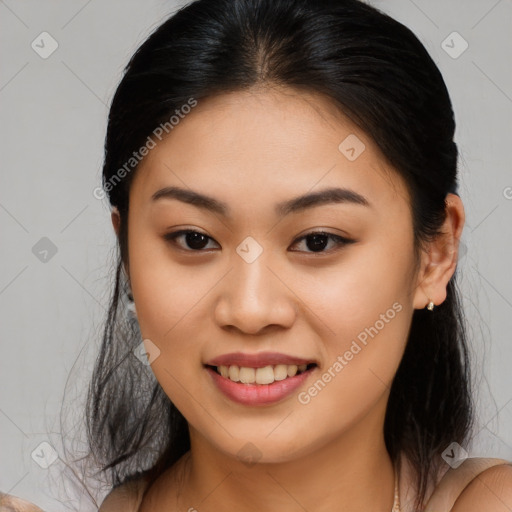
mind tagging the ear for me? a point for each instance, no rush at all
(116, 222)
(116, 219)
(439, 258)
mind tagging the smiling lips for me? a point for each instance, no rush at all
(257, 360)
(262, 368)
(258, 379)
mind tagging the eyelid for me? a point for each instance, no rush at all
(341, 241)
(171, 236)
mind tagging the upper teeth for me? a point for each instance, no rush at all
(265, 375)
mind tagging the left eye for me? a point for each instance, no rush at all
(316, 241)
(319, 239)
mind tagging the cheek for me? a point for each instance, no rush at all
(361, 359)
(366, 307)
(168, 303)
(163, 291)
(352, 295)
(170, 300)
(360, 364)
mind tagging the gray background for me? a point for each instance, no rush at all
(54, 113)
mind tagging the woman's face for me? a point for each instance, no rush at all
(252, 281)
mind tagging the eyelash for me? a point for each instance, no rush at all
(339, 240)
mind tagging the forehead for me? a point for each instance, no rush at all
(273, 142)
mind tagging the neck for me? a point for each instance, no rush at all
(350, 472)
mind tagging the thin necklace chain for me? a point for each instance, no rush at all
(396, 503)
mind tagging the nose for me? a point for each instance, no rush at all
(254, 298)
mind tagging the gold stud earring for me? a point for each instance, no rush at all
(430, 306)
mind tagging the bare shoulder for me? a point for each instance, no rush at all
(9, 503)
(125, 498)
(491, 491)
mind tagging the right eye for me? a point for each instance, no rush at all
(195, 240)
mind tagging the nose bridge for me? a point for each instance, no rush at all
(252, 296)
(251, 276)
(251, 280)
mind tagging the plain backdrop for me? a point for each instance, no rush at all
(57, 244)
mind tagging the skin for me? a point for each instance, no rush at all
(251, 150)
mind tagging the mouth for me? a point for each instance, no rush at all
(263, 375)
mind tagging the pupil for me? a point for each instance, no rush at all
(317, 244)
(195, 240)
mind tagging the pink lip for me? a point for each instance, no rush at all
(257, 360)
(258, 394)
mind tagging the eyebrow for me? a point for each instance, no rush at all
(297, 204)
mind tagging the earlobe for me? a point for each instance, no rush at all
(439, 260)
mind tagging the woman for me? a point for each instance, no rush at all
(283, 176)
